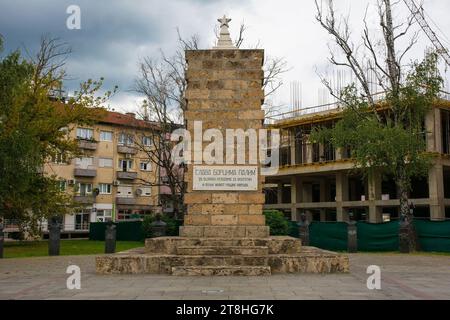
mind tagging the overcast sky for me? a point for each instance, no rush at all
(114, 35)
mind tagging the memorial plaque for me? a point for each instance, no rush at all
(225, 178)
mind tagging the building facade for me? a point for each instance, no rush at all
(320, 181)
(114, 178)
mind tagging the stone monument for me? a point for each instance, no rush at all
(224, 231)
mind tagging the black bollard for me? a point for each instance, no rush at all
(2, 240)
(158, 227)
(110, 238)
(303, 229)
(54, 236)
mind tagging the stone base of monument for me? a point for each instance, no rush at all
(187, 256)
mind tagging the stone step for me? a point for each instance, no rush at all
(223, 250)
(221, 271)
(276, 245)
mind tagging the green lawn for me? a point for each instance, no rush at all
(22, 249)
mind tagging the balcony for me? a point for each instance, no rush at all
(125, 201)
(126, 149)
(87, 144)
(125, 175)
(90, 173)
(85, 199)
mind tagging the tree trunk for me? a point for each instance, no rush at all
(407, 232)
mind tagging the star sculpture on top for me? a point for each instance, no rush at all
(224, 41)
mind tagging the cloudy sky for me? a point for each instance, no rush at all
(114, 35)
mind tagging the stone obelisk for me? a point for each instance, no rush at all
(224, 91)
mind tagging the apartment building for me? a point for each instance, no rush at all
(320, 181)
(113, 179)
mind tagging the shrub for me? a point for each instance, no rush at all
(172, 225)
(279, 226)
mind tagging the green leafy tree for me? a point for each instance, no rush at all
(34, 127)
(279, 226)
(385, 137)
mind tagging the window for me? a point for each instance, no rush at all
(86, 134)
(104, 215)
(59, 158)
(146, 166)
(146, 191)
(125, 164)
(124, 214)
(84, 189)
(146, 141)
(125, 139)
(105, 136)
(105, 162)
(105, 188)
(62, 185)
(84, 163)
(125, 192)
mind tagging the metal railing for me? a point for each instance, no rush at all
(272, 119)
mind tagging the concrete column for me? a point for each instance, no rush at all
(306, 194)
(434, 130)
(374, 192)
(338, 153)
(296, 193)
(292, 147)
(309, 153)
(280, 193)
(341, 195)
(436, 190)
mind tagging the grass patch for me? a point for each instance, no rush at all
(23, 249)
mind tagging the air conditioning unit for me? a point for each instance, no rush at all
(165, 179)
(128, 156)
(71, 182)
(138, 192)
(116, 183)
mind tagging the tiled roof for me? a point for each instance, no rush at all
(127, 120)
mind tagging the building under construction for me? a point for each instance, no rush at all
(320, 181)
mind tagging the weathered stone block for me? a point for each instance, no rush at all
(251, 197)
(197, 220)
(255, 209)
(197, 198)
(224, 220)
(224, 197)
(192, 231)
(252, 220)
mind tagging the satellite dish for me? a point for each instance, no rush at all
(138, 192)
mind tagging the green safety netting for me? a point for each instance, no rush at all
(377, 237)
(126, 231)
(293, 229)
(433, 235)
(328, 235)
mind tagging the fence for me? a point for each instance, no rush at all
(126, 231)
(433, 236)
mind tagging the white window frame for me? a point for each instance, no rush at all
(105, 188)
(129, 164)
(146, 141)
(101, 162)
(125, 139)
(63, 185)
(107, 133)
(148, 166)
(89, 188)
(85, 133)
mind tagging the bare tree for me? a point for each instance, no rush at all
(394, 140)
(162, 82)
